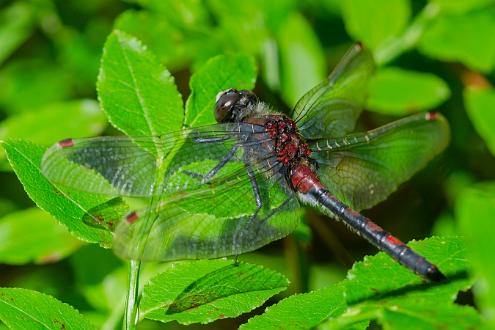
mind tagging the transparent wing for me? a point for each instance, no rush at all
(363, 169)
(331, 108)
(236, 209)
(210, 224)
(147, 166)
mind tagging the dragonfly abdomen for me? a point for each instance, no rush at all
(376, 235)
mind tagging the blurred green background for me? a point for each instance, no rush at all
(431, 55)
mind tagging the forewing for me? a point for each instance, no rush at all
(363, 169)
(126, 166)
(331, 108)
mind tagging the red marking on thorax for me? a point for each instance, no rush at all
(289, 145)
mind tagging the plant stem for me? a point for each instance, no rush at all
(410, 37)
(131, 311)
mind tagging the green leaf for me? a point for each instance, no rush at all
(17, 24)
(218, 74)
(26, 309)
(136, 92)
(479, 104)
(475, 211)
(425, 315)
(75, 119)
(165, 40)
(103, 286)
(65, 205)
(32, 235)
(302, 62)
(378, 288)
(375, 22)
(28, 84)
(260, 20)
(462, 6)
(303, 311)
(6, 206)
(206, 290)
(399, 92)
(468, 38)
(372, 277)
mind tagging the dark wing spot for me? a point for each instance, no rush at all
(132, 217)
(431, 116)
(67, 143)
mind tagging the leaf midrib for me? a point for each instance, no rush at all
(166, 305)
(141, 101)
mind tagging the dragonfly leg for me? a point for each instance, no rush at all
(256, 189)
(205, 178)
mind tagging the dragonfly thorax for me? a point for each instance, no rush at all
(289, 145)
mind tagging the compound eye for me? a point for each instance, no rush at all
(228, 91)
(225, 102)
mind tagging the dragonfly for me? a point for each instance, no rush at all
(232, 187)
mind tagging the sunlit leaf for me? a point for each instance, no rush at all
(475, 211)
(371, 21)
(136, 92)
(203, 291)
(399, 92)
(26, 309)
(303, 311)
(391, 294)
(32, 235)
(480, 105)
(69, 207)
(379, 289)
(468, 38)
(172, 45)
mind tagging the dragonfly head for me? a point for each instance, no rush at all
(233, 105)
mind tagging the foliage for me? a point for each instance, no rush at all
(161, 67)
(368, 293)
